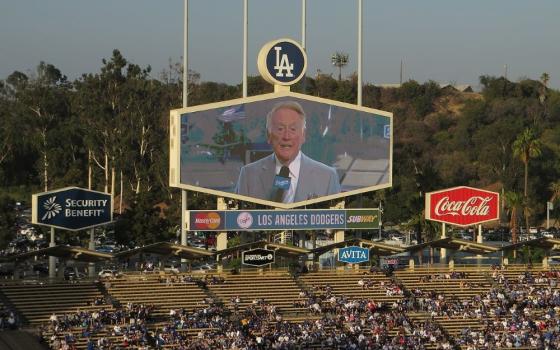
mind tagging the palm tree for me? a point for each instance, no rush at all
(544, 79)
(542, 97)
(514, 201)
(555, 189)
(525, 147)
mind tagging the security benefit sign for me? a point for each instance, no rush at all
(267, 220)
(72, 208)
(353, 255)
(258, 257)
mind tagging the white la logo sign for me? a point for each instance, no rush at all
(283, 64)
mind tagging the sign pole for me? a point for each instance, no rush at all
(443, 251)
(91, 266)
(52, 259)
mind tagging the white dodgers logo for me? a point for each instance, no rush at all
(283, 64)
(245, 220)
(52, 208)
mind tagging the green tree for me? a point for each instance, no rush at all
(7, 220)
(555, 189)
(526, 147)
(513, 202)
(42, 108)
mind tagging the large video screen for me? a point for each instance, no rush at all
(282, 149)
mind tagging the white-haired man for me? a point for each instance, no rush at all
(287, 175)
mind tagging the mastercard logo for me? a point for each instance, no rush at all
(209, 221)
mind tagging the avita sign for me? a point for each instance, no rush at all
(462, 206)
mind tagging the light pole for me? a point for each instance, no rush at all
(339, 59)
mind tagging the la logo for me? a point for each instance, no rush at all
(283, 64)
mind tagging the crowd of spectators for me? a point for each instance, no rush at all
(202, 282)
(130, 323)
(521, 310)
(338, 322)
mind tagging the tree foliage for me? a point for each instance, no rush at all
(113, 124)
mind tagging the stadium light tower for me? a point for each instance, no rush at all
(339, 59)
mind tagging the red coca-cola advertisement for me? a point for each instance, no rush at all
(462, 206)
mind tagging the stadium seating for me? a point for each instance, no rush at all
(37, 302)
(165, 291)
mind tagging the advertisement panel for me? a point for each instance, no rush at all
(333, 149)
(257, 257)
(72, 208)
(353, 255)
(279, 220)
(462, 206)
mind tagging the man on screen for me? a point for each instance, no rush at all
(287, 175)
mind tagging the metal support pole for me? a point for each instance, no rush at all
(245, 38)
(52, 259)
(184, 265)
(303, 34)
(443, 251)
(91, 265)
(185, 52)
(479, 236)
(184, 262)
(360, 45)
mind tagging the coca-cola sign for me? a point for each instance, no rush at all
(462, 206)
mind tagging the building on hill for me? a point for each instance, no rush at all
(455, 87)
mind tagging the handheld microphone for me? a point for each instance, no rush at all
(281, 184)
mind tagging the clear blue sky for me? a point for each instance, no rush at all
(447, 41)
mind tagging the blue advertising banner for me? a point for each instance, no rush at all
(353, 255)
(72, 208)
(270, 220)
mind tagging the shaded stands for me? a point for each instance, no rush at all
(454, 245)
(17, 340)
(547, 244)
(163, 291)
(283, 251)
(167, 250)
(460, 284)
(473, 285)
(345, 283)
(63, 252)
(275, 287)
(375, 248)
(36, 302)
